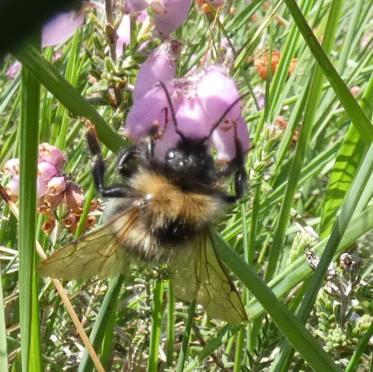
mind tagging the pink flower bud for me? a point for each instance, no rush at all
(13, 70)
(61, 27)
(13, 187)
(11, 167)
(46, 170)
(168, 15)
(56, 186)
(51, 154)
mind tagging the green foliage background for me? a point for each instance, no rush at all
(312, 194)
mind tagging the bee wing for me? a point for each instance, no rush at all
(197, 274)
(99, 252)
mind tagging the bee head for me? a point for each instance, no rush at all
(189, 158)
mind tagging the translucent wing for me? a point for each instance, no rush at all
(197, 274)
(99, 252)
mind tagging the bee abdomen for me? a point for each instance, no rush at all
(174, 232)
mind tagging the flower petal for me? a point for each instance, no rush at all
(159, 66)
(168, 15)
(61, 27)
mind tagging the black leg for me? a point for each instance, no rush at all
(98, 170)
(126, 156)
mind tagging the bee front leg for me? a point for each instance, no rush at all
(98, 170)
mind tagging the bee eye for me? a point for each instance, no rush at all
(170, 155)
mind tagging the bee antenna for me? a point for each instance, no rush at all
(225, 113)
(172, 109)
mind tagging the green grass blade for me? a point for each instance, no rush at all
(28, 295)
(3, 337)
(299, 270)
(339, 229)
(185, 344)
(291, 328)
(108, 306)
(346, 165)
(68, 95)
(155, 336)
(353, 110)
(302, 145)
(353, 363)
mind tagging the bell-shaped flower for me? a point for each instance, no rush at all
(206, 106)
(148, 111)
(168, 15)
(56, 186)
(61, 27)
(159, 66)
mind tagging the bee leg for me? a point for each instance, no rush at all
(98, 170)
(124, 159)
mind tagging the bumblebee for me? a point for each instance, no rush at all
(161, 213)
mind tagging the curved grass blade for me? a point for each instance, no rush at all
(28, 294)
(353, 110)
(299, 270)
(67, 95)
(346, 165)
(292, 328)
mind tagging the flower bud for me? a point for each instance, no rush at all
(11, 167)
(56, 186)
(46, 170)
(51, 154)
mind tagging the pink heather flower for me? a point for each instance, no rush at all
(46, 170)
(52, 155)
(124, 29)
(74, 198)
(56, 186)
(160, 65)
(13, 187)
(135, 5)
(13, 70)
(11, 167)
(148, 111)
(168, 15)
(41, 187)
(61, 27)
(199, 102)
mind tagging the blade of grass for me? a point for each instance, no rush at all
(185, 344)
(155, 336)
(353, 110)
(170, 325)
(302, 145)
(28, 295)
(108, 306)
(291, 328)
(339, 229)
(3, 338)
(57, 283)
(300, 270)
(353, 363)
(346, 165)
(67, 95)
